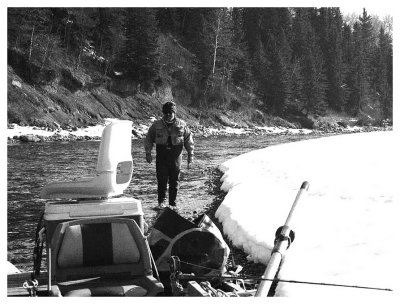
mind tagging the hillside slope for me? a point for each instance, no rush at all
(60, 96)
(64, 98)
(60, 105)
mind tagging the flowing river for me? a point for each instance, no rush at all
(30, 166)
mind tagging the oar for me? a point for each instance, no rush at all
(282, 243)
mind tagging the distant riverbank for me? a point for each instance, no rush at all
(16, 133)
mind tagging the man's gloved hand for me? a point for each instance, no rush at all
(148, 157)
(189, 160)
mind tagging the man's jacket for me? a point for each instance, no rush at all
(169, 140)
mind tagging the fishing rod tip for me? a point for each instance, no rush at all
(305, 185)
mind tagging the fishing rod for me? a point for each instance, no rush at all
(185, 277)
(284, 236)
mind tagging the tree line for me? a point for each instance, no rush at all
(303, 59)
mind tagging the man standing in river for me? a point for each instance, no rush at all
(170, 135)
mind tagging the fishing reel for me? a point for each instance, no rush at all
(175, 269)
(174, 264)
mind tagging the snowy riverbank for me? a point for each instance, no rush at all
(16, 133)
(346, 226)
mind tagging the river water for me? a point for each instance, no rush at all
(30, 166)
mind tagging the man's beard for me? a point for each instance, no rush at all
(169, 121)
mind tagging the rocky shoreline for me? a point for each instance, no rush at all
(25, 134)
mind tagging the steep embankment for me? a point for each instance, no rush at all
(63, 99)
(66, 98)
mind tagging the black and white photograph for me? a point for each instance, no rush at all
(225, 149)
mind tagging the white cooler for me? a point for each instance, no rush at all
(63, 211)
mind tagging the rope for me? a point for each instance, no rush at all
(199, 266)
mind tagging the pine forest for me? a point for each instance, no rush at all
(308, 60)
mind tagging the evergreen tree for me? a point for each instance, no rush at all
(109, 36)
(265, 33)
(363, 45)
(356, 74)
(334, 59)
(368, 40)
(140, 62)
(382, 80)
(241, 73)
(275, 23)
(312, 82)
(168, 20)
(195, 29)
(347, 51)
(251, 28)
(254, 37)
(280, 90)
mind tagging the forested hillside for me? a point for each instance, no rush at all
(75, 66)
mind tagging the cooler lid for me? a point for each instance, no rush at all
(108, 207)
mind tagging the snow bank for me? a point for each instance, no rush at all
(16, 130)
(346, 226)
(140, 130)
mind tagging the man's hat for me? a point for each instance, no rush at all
(168, 107)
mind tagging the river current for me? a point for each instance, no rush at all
(30, 166)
